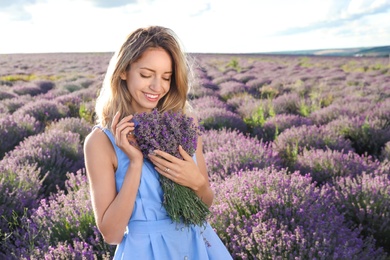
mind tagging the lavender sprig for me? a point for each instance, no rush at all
(165, 132)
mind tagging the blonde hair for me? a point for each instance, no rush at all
(114, 95)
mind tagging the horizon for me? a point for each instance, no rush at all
(205, 26)
(211, 53)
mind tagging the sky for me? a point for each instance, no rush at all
(203, 26)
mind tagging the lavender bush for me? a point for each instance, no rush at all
(19, 191)
(256, 113)
(218, 118)
(208, 84)
(240, 100)
(293, 141)
(208, 103)
(44, 111)
(199, 92)
(72, 250)
(72, 101)
(6, 94)
(65, 225)
(14, 104)
(274, 126)
(287, 104)
(13, 129)
(31, 90)
(54, 152)
(244, 77)
(72, 87)
(326, 166)
(221, 79)
(269, 214)
(336, 111)
(3, 110)
(381, 110)
(230, 88)
(73, 125)
(227, 152)
(367, 135)
(255, 86)
(45, 85)
(345, 98)
(364, 201)
(385, 154)
(87, 111)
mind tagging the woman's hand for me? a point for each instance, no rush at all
(184, 172)
(124, 138)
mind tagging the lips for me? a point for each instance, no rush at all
(151, 97)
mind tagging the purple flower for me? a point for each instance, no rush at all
(364, 201)
(270, 214)
(166, 131)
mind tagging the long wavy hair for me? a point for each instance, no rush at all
(114, 95)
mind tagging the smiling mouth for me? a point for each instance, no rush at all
(151, 97)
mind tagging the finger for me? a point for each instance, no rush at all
(165, 155)
(123, 128)
(167, 172)
(122, 131)
(184, 154)
(126, 120)
(161, 162)
(115, 121)
(164, 168)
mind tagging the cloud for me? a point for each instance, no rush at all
(10, 3)
(201, 10)
(15, 9)
(112, 3)
(202, 25)
(343, 13)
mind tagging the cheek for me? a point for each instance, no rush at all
(133, 85)
(167, 87)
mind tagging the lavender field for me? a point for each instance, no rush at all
(297, 148)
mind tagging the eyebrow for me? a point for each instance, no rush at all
(145, 68)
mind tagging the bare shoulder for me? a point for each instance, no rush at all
(97, 138)
(97, 144)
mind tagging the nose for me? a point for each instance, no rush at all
(156, 85)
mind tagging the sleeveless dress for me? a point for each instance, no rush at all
(150, 233)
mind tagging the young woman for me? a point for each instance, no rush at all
(149, 71)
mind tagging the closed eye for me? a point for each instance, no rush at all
(145, 76)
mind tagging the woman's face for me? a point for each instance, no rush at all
(149, 79)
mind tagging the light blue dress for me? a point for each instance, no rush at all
(150, 233)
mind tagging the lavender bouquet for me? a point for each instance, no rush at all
(165, 132)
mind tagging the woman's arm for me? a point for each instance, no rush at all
(112, 210)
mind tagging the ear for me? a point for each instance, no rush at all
(123, 75)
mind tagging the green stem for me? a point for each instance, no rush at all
(182, 204)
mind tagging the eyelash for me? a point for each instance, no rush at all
(146, 77)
